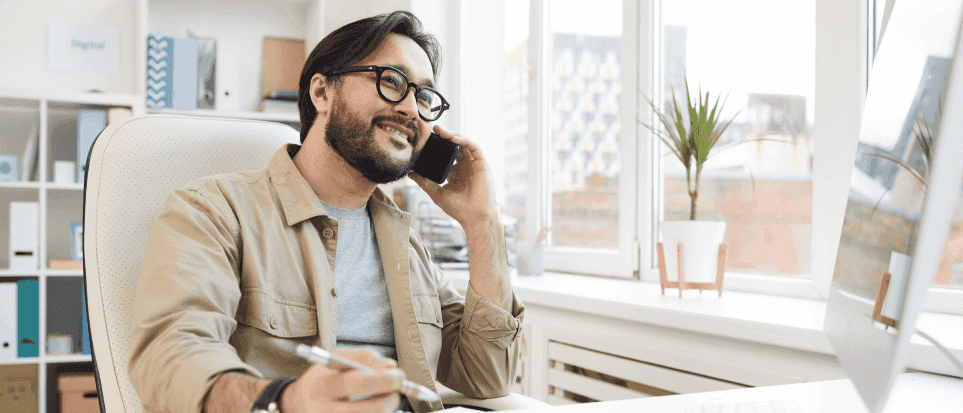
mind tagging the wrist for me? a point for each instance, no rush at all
(287, 403)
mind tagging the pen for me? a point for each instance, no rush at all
(320, 356)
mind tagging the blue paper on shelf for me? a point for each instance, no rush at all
(90, 122)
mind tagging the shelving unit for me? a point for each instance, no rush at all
(55, 117)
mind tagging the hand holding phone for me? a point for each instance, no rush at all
(436, 158)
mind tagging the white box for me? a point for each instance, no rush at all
(64, 172)
(24, 236)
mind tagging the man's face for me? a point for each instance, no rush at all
(376, 137)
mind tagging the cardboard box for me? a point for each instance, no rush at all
(78, 393)
(18, 388)
(281, 64)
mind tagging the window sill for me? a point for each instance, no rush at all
(773, 320)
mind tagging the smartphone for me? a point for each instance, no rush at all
(436, 158)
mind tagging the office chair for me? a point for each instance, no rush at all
(132, 167)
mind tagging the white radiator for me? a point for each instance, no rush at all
(577, 374)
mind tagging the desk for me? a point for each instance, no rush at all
(914, 392)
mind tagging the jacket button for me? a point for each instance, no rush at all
(334, 292)
(437, 318)
(274, 322)
(327, 233)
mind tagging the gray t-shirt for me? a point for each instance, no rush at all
(364, 311)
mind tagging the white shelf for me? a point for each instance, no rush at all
(64, 273)
(67, 358)
(20, 185)
(53, 358)
(267, 116)
(69, 187)
(8, 273)
(85, 98)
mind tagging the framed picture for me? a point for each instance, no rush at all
(77, 241)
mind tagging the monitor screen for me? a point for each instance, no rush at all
(885, 248)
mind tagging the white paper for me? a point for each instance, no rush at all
(83, 49)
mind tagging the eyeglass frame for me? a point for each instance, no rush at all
(381, 69)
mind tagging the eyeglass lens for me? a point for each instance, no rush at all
(393, 86)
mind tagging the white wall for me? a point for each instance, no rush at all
(23, 26)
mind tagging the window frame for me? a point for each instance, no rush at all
(843, 38)
(622, 262)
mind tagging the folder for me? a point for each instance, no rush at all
(160, 62)
(90, 122)
(185, 74)
(85, 328)
(8, 321)
(28, 318)
(24, 236)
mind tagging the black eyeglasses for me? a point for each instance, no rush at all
(393, 86)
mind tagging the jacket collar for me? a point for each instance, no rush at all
(299, 201)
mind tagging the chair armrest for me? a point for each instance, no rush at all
(512, 401)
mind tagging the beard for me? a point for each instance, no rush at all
(347, 134)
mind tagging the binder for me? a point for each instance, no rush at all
(90, 122)
(185, 74)
(85, 328)
(28, 318)
(24, 236)
(8, 321)
(160, 61)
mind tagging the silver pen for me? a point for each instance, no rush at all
(321, 356)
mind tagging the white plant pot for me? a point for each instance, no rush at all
(700, 249)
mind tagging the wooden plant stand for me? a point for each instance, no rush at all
(681, 284)
(880, 297)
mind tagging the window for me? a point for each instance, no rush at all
(759, 57)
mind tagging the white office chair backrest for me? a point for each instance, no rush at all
(134, 164)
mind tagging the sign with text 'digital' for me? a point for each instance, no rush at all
(83, 49)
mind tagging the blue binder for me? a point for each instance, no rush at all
(90, 122)
(85, 329)
(28, 318)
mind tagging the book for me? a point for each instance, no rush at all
(28, 318)
(90, 122)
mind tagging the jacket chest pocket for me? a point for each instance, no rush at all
(277, 318)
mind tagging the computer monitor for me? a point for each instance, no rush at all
(905, 186)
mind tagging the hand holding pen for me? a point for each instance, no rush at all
(334, 386)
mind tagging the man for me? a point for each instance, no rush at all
(241, 268)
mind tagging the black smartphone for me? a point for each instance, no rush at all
(436, 158)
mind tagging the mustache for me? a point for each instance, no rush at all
(409, 124)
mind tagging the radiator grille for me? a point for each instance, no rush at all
(580, 375)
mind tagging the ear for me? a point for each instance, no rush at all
(320, 90)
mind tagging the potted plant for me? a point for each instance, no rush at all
(691, 132)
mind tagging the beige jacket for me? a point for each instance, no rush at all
(239, 271)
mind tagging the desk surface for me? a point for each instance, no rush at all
(914, 392)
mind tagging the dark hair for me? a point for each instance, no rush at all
(353, 42)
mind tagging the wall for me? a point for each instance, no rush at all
(23, 60)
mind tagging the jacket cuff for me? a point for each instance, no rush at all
(492, 323)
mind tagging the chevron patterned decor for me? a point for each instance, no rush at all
(160, 63)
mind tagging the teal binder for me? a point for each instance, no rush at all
(28, 318)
